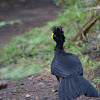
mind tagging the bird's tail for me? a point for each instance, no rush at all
(72, 87)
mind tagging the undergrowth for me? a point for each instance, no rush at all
(29, 53)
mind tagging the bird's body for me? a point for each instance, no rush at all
(69, 72)
(65, 64)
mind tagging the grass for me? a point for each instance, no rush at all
(26, 54)
(12, 22)
(29, 53)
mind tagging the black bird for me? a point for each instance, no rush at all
(69, 72)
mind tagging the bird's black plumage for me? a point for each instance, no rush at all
(69, 71)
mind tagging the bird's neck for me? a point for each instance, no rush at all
(59, 48)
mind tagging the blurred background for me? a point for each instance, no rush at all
(26, 47)
(19, 16)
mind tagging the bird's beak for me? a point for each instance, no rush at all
(52, 35)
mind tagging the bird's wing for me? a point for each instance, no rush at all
(66, 65)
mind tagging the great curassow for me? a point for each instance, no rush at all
(69, 72)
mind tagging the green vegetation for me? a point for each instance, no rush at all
(29, 53)
(79, 3)
(3, 23)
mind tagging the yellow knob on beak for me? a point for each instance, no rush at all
(52, 35)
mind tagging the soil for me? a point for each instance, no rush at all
(37, 87)
(32, 13)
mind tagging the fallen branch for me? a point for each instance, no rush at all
(84, 30)
(87, 26)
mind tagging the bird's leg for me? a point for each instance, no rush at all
(55, 89)
(59, 78)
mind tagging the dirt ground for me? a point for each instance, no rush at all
(37, 87)
(33, 13)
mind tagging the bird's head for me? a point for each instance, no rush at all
(58, 35)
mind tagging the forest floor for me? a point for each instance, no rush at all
(33, 13)
(38, 87)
